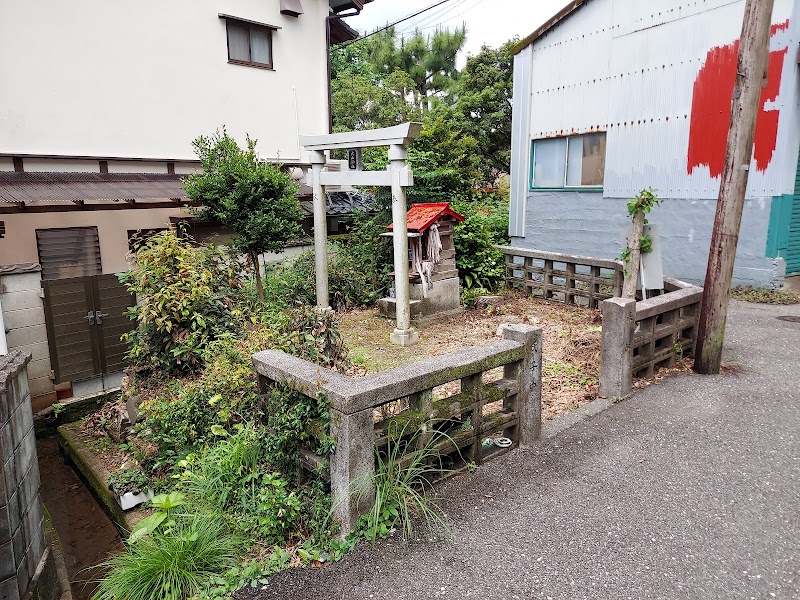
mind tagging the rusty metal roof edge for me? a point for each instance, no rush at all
(13, 178)
(548, 25)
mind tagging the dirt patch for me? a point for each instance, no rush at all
(571, 344)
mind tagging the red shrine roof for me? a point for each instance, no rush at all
(422, 216)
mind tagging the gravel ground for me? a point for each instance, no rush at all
(687, 490)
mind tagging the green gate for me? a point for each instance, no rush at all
(793, 250)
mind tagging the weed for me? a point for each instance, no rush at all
(128, 480)
(403, 479)
(170, 565)
(762, 296)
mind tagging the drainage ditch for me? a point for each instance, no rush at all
(87, 535)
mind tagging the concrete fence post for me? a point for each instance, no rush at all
(529, 376)
(352, 467)
(616, 354)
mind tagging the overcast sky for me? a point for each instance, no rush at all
(490, 22)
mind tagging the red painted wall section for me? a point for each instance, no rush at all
(711, 108)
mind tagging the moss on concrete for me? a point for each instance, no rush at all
(94, 473)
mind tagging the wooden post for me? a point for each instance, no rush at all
(632, 265)
(750, 78)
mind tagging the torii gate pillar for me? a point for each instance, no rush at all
(320, 230)
(404, 334)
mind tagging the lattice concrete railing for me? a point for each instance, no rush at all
(579, 280)
(481, 402)
(641, 337)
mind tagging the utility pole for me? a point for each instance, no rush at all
(750, 78)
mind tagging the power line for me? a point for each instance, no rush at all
(419, 12)
(465, 11)
(434, 16)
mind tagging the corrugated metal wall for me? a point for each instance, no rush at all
(571, 83)
(629, 67)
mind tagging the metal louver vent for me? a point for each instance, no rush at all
(68, 252)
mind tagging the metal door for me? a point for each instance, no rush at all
(85, 317)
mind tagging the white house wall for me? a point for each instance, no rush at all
(571, 74)
(145, 78)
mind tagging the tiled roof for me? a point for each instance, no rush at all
(422, 216)
(342, 203)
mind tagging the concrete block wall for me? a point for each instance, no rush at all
(23, 316)
(23, 551)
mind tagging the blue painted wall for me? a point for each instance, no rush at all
(587, 224)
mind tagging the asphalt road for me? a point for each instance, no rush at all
(690, 489)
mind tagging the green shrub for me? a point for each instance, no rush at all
(185, 296)
(315, 336)
(234, 477)
(480, 264)
(172, 564)
(180, 415)
(350, 279)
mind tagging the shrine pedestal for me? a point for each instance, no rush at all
(443, 298)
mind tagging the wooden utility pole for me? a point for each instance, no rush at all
(750, 78)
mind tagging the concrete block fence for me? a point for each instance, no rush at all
(24, 322)
(579, 280)
(359, 425)
(26, 570)
(638, 337)
(641, 337)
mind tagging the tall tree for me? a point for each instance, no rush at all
(430, 61)
(485, 102)
(359, 102)
(444, 159)
(252, 197)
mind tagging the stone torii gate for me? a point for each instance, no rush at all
(398, 176)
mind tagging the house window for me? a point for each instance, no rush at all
(138, 237)
(574, 161)
(249, 43)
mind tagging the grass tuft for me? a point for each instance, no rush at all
(172, 565)
(764, 296)
(403, 484)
